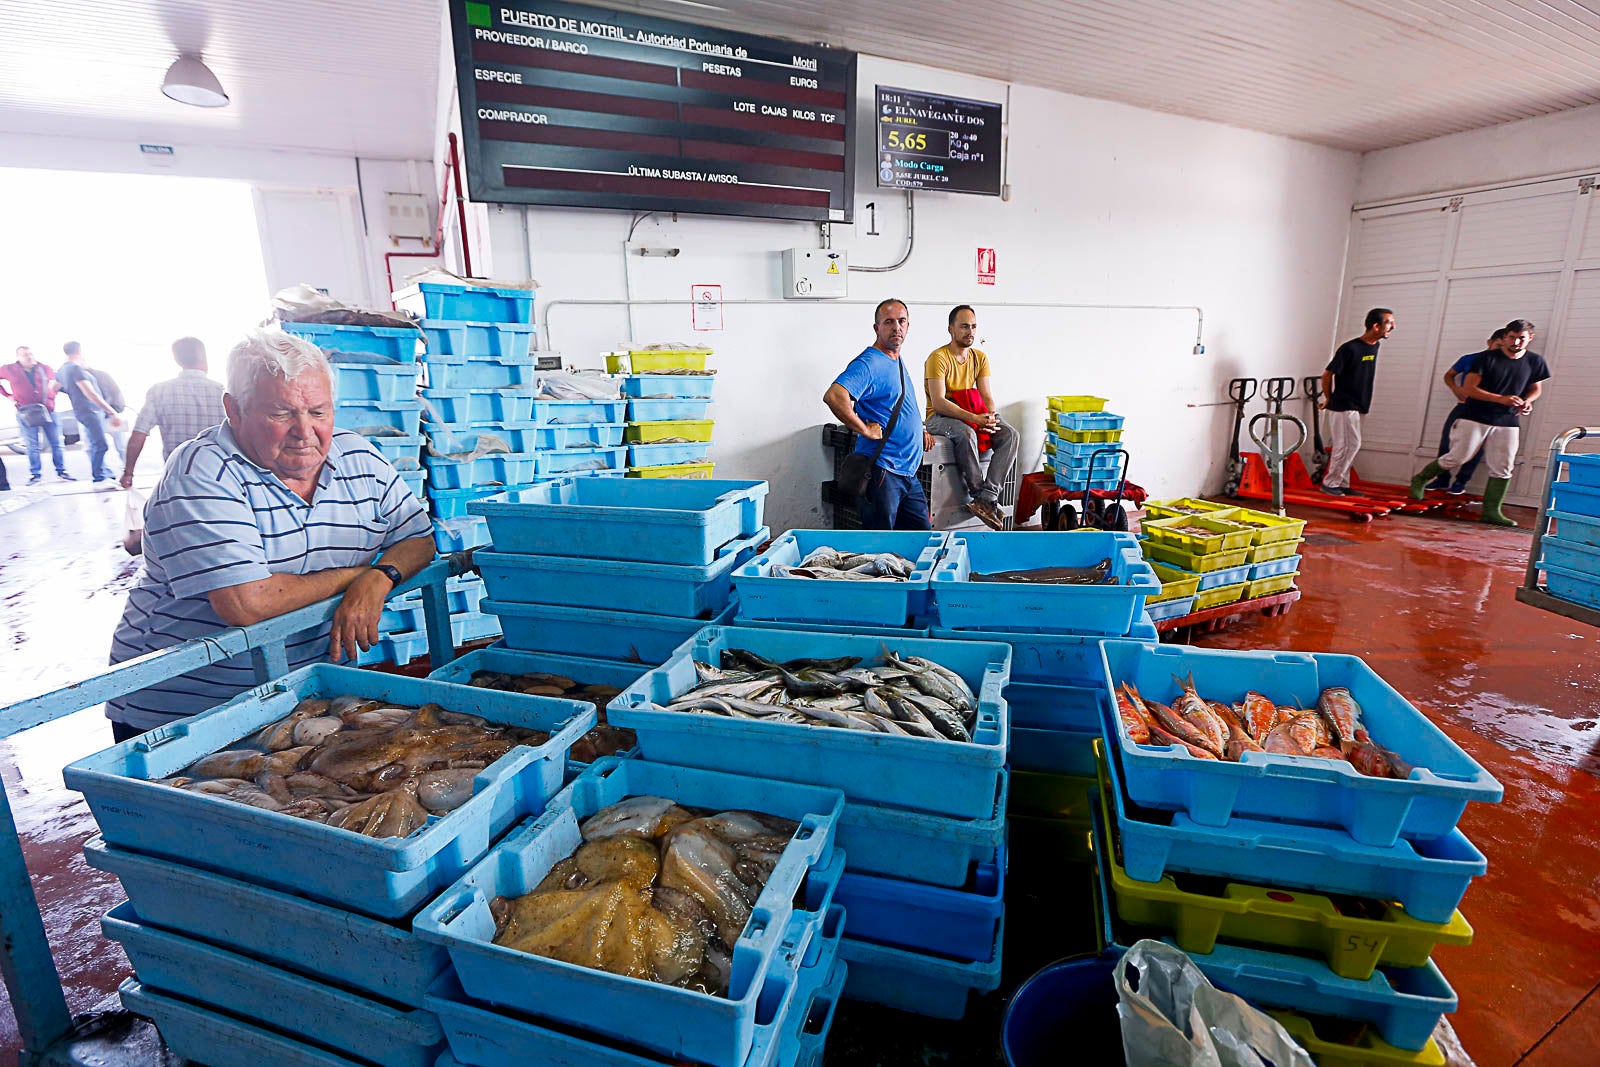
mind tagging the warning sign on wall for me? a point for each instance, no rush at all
(706, 310)
(986, 266)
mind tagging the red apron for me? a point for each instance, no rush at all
(971, 400)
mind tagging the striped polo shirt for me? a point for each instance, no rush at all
(181, 407)
(216, 520)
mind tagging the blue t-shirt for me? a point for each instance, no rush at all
(69, 376)
(1463, 365)
(874, 382)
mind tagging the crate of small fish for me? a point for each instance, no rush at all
(379, 418)
(651, 588)
(371, 791)
(466, 303)
(270, 996)
(1081, 582)
(956, 922)
(624, 636)
(1194, 562)
(1267, 528)
(669, 431)
(1301, 737)
(374, 381)
(685, 384)
(1188, 505)
(1075, 403)
(656, 361)
(788, 1024)
(397, 344)
(651, 904)
(845, 577)
(668, 454)
(454, 342)
(501, 468)
(592, 681)
(575, 435)
(650, 521)
(914, 723)
(578, 461)
(1198, 534)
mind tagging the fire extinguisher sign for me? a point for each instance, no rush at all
(986, 266)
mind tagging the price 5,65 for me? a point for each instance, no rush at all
(911, 142)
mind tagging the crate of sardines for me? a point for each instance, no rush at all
(873, 577)
(1298, 737)
(1080, 582)
(370, 791)
(659, 906)
(909, 722)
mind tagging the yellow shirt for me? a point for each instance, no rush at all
(963, 374)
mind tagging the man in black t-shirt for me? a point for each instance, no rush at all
(1500, 388)
(1347, 387)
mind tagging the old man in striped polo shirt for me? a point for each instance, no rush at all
(268, 512)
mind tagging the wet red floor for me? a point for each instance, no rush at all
(1428, 603)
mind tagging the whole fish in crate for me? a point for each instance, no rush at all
(603, 740)
(829, 563)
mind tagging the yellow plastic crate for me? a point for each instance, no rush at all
(1222, 594)
(1267, 586)
(1079, 437)
(1049, 447)
(1267, 527)
(1176, 583)
(644, 433)
(673, 470)
(1076, 403)
(1199, 562)
(1369, 1050)
(1171, 509)
(1218, 535)
(1275, 550)
(646, 361)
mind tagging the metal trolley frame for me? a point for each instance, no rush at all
(1531, 592)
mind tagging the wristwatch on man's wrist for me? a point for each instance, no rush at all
(389, 572)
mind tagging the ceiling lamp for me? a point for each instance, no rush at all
(190, 81)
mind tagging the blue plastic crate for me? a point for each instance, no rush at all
(1286, 565)
(804, 988)
(1043, 658)
(812, 1030)
(1077, 483)
(959, 923)
(1427, 878)
(574, 435)
(416, 481)
(1108, 464)
(466, 303)
(667, 454)
(1582, 468)
(1170, 609)
(456, 407)
(664, 386)
(1403, 1004)
(270, 996)
(718, 1030)
(1106, 610)
(452, 503)
(463, 594)
(1235, 575)
(1088, 420)
(764, 595)
(397, 343)
(624, 636)
(941, 777)
(458, 535)
(453, 342)
(1053, 750)
(1580, 587)
(1578, 528)
(829, 627)
(456, 374)
(1297, 789)
(379, 418)
(1053, 728)
(649, 520)
(1577, 498)
(640, 410)
(374, 381)
(200, 1035)
(384, 959)
(930, 849)
(1074, 451)
(611, 585)
(548, 412)
(383, 877)
(402, 647)
(1571, 556)
(914, 982)
(501, 468)
(579, 461)
(403, 453)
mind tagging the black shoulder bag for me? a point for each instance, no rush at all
(856, 469)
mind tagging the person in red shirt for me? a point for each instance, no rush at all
(32, 386)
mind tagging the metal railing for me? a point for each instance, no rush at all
(1531, 592)
(43, 1019)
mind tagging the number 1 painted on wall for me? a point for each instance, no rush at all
(872, 220)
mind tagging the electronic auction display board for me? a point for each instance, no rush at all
(586, 107)
(938, 143)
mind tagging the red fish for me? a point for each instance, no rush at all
(1343, 715)
(1177, 726)
(1200, 715)
(1259, 715)
(1134, 722)
(1239, 741)
(1375, 761)
(1158, 736)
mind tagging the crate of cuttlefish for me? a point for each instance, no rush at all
(871, 577)
(1297, 737)
(368, 791)
(908, 722)
(659, 906)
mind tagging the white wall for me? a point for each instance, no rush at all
(1110, 204)
(1550, 144)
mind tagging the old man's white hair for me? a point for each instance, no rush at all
(268, 352)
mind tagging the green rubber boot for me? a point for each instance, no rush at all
(1419, 484)
(1494, 494)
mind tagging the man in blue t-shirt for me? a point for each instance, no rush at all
(92, 410)
(863, 398)
(1501, 387)
(1454, 380)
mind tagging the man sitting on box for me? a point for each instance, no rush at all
(961, 407)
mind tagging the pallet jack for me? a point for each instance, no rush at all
(1241, 391)
(1278, 474)
(1312, 387)
(1276, 391)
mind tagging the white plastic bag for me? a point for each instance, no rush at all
(1172, 1016)
(579, 385)
(133, 522)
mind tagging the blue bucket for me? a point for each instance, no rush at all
(1068, 1005)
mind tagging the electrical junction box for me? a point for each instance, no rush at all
(814, 273)
(408, 216)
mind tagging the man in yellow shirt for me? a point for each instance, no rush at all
(961, 407)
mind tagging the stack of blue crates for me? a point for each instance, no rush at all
(669, 404)
(1074, 437)
(1570, 557)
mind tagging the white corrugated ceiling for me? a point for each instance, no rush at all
(359, 75)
